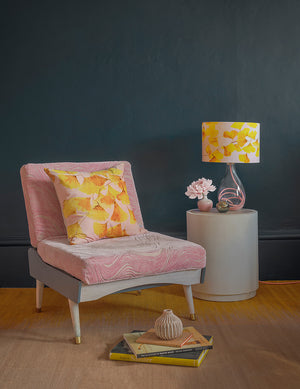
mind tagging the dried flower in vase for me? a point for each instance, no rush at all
(199, 190)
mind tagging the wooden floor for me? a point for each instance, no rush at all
(256, 341)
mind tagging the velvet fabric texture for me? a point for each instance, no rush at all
(122, 258)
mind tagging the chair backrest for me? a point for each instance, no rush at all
(42, 207)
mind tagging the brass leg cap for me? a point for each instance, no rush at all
(192, 316)
(38, 310)
(77, 339)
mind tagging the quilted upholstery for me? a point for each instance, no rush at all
(122, 258)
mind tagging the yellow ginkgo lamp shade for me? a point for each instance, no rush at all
(230, 143)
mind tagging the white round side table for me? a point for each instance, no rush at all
(231, 243)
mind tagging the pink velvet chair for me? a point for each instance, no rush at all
(89, 271)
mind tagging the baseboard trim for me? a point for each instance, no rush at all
(279, 237)
(278, 259)
(15, 243)
(18, 242)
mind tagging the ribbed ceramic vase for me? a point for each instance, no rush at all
(168, 326)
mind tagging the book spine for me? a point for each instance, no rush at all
(158, 360)
(200, 360)
(143, 355)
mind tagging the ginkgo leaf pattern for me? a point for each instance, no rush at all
(100, 229)
(230, 142)
(105, 201)
(74, 230)
(116, 231)
(230, 134)
(244, 158)
(97, 213)
(118, 214)
(94, 205)
(71, 206)
(123, 197)
(228, 150)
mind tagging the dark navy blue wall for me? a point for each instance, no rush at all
(106, 80)
(268, 90)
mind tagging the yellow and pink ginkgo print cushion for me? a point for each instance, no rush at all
(236, 142)
(95, 205)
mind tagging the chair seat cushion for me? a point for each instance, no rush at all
(122, 258)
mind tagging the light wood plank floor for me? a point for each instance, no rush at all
(256, 341)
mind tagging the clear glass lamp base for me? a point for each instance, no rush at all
(231, 189)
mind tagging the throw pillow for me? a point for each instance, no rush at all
(95, 205)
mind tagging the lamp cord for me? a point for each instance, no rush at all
(279, 283)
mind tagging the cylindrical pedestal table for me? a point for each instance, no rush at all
(231, 243)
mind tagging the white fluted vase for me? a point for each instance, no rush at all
(168, 326)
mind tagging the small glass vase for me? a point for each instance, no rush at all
(231, 189)
(204, 204)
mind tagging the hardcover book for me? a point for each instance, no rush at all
(150, 337)
(122, 352)
(197, 342)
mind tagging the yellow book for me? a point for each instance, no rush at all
(122, 352)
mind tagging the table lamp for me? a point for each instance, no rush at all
(230, 143)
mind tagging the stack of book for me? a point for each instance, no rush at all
(144, 346)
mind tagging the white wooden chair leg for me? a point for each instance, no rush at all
(39, 295)
(189, 298)
(74, 310)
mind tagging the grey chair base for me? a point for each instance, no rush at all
(76, 291)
